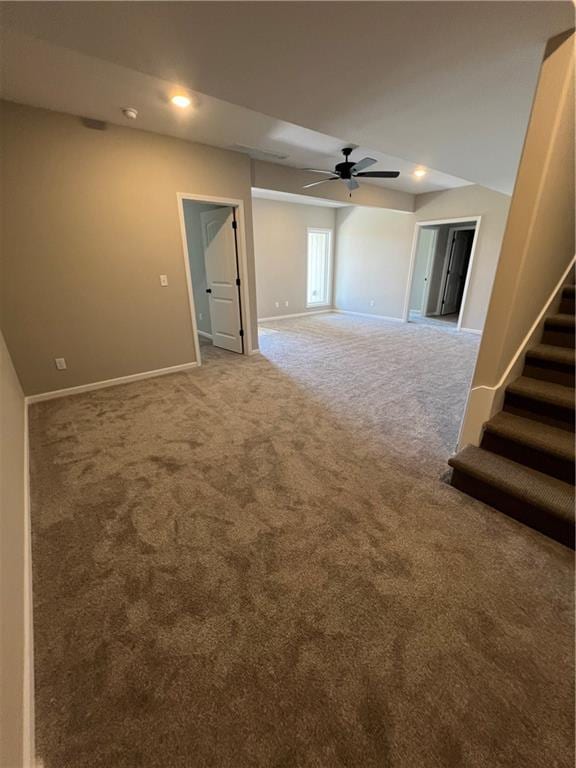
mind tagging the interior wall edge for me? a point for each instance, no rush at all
(16, 694)
(28, 732)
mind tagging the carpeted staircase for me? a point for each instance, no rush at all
(525, 464)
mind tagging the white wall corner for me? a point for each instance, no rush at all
(480, 407)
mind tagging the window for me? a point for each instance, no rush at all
(319, 288)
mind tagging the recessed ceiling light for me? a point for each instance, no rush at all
(181, 101)
(419, 172)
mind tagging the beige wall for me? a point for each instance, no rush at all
(372, 260)
(374, 247)
(13, 542)
(493, 208)
(539, 240)
(538, 245)
(285, 179)
(280, 251)
(91, 221)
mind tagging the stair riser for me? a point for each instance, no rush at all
(566, 306)
(519, 509)
(558, 338)
(549, 371)
(529, 408)
(539, 460)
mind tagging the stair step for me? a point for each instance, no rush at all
(551, 363)
(538, 500)
(525, 441)
(543, 401)
(567, 300)
(553, 354)
(559, 330)
(566, 305)
(561, 320)
(544, 391)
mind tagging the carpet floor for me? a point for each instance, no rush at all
(258, 564)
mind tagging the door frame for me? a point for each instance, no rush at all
(238, 206)
(429, 262)
(445, 266)
(476, 220)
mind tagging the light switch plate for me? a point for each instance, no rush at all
(60, 363)
(163, 280)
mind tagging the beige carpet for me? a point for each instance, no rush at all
(256, 564)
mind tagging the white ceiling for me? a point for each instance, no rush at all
(447, 84)
(290, 197)
(49, 76)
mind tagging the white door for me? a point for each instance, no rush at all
(221, 277)
(460, 248)
(425, 249)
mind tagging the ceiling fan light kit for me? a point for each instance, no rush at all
(348, 171)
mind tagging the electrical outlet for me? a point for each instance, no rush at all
(285, 303)
(60, 363)
(372, 302)
(277, 304)
(163, 280)
(200, 316)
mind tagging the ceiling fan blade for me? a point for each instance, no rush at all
(317, 170)
(323, 181)
(380, 174)
(351, 184)
(361, 164)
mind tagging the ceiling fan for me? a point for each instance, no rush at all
(349, 171)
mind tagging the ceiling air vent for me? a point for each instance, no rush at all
(258, 154)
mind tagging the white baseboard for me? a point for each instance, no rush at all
(368, 314)
(254, 352)
(205, 334)
(471, 330)
(297, 314)
(28, 746)
(109, 383)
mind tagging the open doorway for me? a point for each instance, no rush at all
(213, 267)
(440, 271)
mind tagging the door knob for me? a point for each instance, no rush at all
(208, 290)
